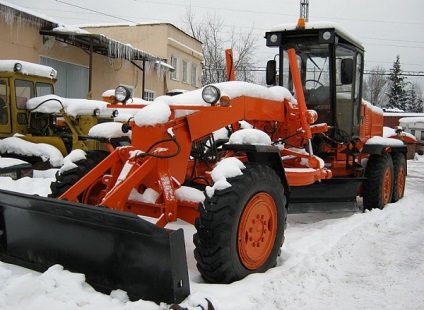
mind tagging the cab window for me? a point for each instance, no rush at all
(3, 107)
(44, 89)
(24, 90)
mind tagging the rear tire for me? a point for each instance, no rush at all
(68, 178)
(378, 186)
(240, 229)
(399, 176)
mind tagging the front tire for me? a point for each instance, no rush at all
(240, 229)
(378, 186)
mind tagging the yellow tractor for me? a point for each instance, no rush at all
(29, 111)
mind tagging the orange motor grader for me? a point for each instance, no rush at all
(236, 190)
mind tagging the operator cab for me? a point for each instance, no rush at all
(331, 66)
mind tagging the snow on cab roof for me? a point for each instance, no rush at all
(27, 68)
(319, 25)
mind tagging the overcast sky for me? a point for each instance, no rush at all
(386, 28)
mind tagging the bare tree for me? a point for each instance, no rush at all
(215, 40)
(376, 86)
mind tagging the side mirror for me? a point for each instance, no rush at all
(346, 74)
(271, 70)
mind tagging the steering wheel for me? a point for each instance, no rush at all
(314, 81)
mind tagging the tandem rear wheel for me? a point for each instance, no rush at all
(385, 180)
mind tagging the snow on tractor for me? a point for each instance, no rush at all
(39, 127)
(233, 159)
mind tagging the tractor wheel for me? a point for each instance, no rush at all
(378, 186)
(240, 229)
(399, 171)
(68, 178)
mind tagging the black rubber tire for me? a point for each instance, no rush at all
(217, 254)
(374, 185)
(68, 178)
(399, 176)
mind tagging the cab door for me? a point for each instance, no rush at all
(5, 123)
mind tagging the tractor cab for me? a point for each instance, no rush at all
(19, 82)
(331, 66)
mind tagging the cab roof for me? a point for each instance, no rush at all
(315, 27)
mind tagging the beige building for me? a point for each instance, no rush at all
(151, 59)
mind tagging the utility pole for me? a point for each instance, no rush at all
(304, 10)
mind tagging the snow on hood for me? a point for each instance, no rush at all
(232, 89)
(47, 152)
(28, 68)
(73, 107)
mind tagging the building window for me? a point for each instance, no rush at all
(194, 75)
(149, 95)
(185, 72)
(174, 63)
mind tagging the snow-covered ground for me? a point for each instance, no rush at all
(372, 260)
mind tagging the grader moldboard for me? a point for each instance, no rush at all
(99, 227)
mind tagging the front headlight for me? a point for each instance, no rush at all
(17, 67)
(115, 113)
(122, 94)
(96, 112)
(211, 94)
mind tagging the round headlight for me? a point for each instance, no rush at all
(274, 38)
(17, 67)
(96, 112)
(211, 94)
(122, 94)
(115, 113)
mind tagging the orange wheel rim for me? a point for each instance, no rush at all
(387, 186)
(401, 181)
(257, 230)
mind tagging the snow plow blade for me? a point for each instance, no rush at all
(115, 250)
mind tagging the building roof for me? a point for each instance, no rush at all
(102, 45)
